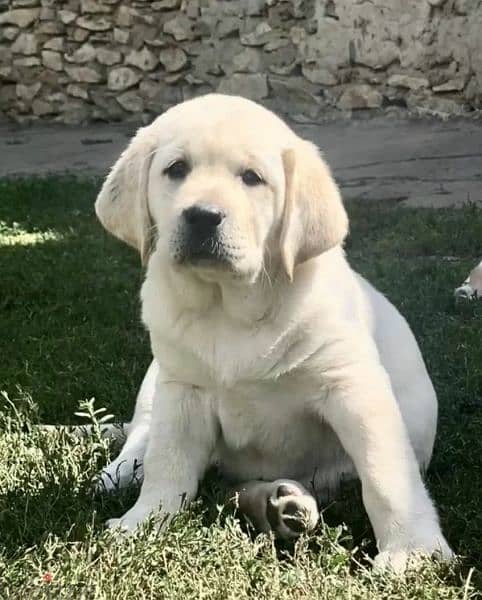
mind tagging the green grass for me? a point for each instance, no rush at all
(70, 330)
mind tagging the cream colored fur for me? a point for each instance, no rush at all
(287, 364)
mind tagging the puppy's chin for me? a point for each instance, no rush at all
(217, 269)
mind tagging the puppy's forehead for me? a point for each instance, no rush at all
(216, 124)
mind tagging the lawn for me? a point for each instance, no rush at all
(70, 331)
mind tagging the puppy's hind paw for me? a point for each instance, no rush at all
(291, 510)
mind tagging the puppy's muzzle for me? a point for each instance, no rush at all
(202, 233)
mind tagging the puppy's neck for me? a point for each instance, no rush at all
(245, 303)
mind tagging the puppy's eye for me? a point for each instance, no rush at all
(178, 170)
(251, 178)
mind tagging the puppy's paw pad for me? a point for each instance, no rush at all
(291, 511)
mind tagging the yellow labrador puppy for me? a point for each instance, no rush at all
(273, 359)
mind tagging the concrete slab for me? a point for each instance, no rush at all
(413, 162)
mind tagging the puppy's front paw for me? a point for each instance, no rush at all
(401, 557)
(291, 510)
(118, 475)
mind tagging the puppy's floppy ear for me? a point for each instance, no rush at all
(314, 218)
(122, 205)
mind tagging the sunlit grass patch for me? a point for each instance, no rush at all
(15, 235)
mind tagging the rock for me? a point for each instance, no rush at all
(110, 107)
(79, 35)
(5, 72)
(173, 59)
(8, 94)
(424, 103)
(49, 28)
(294, 92)
(247, 61)
(27, 61)
(317, 74)
(436, 2)
(193, 80)
(227, 26)
(473, 91)
(131, 102)
(26, 43)
(93, 7)
(253, 8)
(21, 17)
(77, 92)
(56, 44)
(121, 36)
(173, 77)
(67, 16)
(83, 74)
(165, 96)
(108, 57)
(57, 97)
(357, 96)
(192, 8)
(52, 60)
(149, 89)
(276, 44)
(124, 16)
(253, 86)
(5, 55)
(406, 81)
(42, 108)
(22, 3)
(166, 5)
(142, 59)
(261, 35)
(463, 7)
(141, 34)
(181, 28)
(156, 43)
(47, 14)
(84, 54)
(8, 33)
(28, 92)
(94, 23)
(283, 69)
(453, 85)
(122, 78)
(75, 113)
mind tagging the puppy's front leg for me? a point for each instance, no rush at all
(181, 440)
(363, 412)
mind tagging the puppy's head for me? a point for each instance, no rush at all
(221, 187)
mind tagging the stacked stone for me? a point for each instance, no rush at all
(81, 60)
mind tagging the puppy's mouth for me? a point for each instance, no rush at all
(203, 251)
(206, 252)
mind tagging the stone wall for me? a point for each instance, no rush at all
(81, 60)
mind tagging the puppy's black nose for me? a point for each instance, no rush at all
(203, 218)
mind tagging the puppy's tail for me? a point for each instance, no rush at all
(117, 432)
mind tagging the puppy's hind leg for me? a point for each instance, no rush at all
(127, 468)
(283, 506)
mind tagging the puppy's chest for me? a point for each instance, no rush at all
(213, 357)
(262, 416)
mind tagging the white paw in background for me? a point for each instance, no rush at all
(471, 289)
